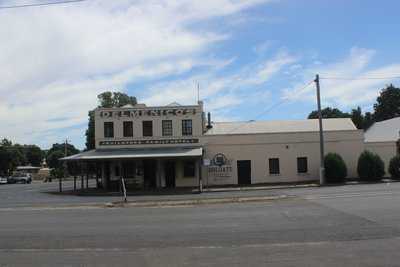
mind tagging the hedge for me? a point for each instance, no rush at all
(335, 168)
(394, 167)
(370, 167)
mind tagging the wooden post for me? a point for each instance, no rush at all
(87, 175)
(200, 176)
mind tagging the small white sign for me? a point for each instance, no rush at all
(206, 162)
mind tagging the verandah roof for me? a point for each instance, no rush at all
(136, 153)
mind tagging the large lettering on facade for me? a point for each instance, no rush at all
(220, 166)
(134, 113)
(149, 142)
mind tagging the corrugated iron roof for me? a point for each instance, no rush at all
(132, 153)
(287, 126)
(383, 131)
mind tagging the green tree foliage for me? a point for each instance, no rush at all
(34, 155)
(370, 167)
(11, 156)
(106, 100)
(387, 104)
(329, 113)
(394, 167)
(53, 159)
(5, 159)
(56, 152)
(360, 120)
(335, 168)
(357, 117)
(90, 138)
(368, 120)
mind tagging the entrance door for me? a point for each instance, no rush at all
(244, 171)
(149, 175)
(170, 174)
(107, 175)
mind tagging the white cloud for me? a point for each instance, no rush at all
(55, 60)
(348, 88)
(222, 93)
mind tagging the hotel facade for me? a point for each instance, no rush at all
(179, 146)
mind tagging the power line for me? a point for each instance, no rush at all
(270, 108)
(42, 4)
(360, 78)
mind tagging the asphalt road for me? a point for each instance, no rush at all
(357, 225)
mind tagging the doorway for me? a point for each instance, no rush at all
(150, 174)
(244, 171)
(169, 169)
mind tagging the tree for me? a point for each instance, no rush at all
(329, 113)
(34, 155)
(335, 168)
(71, 150)
(53, 159)
(368, 120)
(57, 151)
(90, 138)
(5, 158)
(106, 100)
(5, 142)
(387, 104)
(357, 117)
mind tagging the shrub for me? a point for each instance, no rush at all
(57, 173)
(370, 167)
(335, 168)
(394, 167)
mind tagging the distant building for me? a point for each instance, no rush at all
(383, 138)
(177, 146)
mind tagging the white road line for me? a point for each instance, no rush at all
(350, 195)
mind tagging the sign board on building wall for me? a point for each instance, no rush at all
(149, 142)
(220, 166)
(134, 113)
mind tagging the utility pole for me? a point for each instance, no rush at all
(321, 134)
(65, 155)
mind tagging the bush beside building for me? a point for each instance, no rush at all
(335, 168)
(370, 166)
(394, 167)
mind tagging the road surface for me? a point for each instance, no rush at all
(355, 225)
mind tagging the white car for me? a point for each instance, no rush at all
(3, 180)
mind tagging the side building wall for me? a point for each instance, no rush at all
(259, 148)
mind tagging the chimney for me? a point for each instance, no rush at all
(209, 126)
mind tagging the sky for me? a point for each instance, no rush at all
(246, 56)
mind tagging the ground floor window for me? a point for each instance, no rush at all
(302, 166)
(129, 169)
(274, 166)
(189, 168)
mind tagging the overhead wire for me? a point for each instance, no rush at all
(42, 4)
(359, 78)
(270, 108)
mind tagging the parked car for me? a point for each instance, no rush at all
(3, 180)
(23, 178)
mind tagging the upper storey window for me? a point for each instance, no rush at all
(128, 129)
(147, 128)
(187, 127)
(108, 129)
(167, 127)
